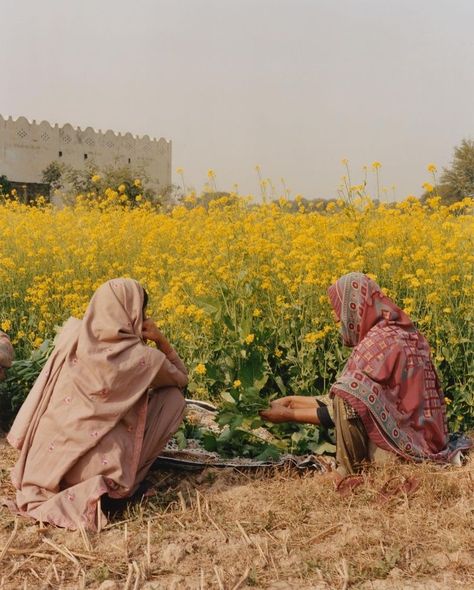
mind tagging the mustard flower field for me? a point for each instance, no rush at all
(241, 288)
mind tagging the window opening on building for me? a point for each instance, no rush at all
(85, 156)
(60, 154)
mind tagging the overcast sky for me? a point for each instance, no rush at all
(291, 85)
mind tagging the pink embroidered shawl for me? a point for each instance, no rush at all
(87, 407)
(389, 378)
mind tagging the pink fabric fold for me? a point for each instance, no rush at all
(89, 404)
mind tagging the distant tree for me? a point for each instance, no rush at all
(79, 180)
(53, 175)
(5, 186)
(130, 181)
(457, 182)
(90, 180)
(126, 175)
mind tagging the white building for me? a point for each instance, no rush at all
(26, 149)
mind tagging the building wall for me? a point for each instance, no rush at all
(27, 148)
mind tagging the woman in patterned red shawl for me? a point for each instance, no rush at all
(388, 395)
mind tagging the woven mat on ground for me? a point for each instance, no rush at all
(194, 457)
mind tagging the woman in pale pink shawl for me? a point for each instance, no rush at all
(100, 412)
(387, 396)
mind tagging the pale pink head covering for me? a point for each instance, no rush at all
(110, 352)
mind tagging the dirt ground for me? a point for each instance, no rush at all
(278, 530)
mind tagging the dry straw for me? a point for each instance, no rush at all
(221, 529)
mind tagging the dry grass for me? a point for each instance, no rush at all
(230, 530)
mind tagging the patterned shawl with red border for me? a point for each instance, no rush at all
(389, 379)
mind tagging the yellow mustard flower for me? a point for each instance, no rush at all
(200, 369)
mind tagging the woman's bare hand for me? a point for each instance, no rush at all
(277, 413)
(295, 402)
(150, 331)
(282, 401)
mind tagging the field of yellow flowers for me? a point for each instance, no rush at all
(241, 288)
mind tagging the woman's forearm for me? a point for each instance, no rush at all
(300, 402)
(164, 345)
(278, 413)
(306, 415)
(296, 401)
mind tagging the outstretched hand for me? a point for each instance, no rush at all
(277, 413)
(282, 401)
(295, 402)
(292, 408)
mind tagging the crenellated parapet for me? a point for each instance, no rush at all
(27, 148)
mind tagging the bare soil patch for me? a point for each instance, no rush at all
(278, 530)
